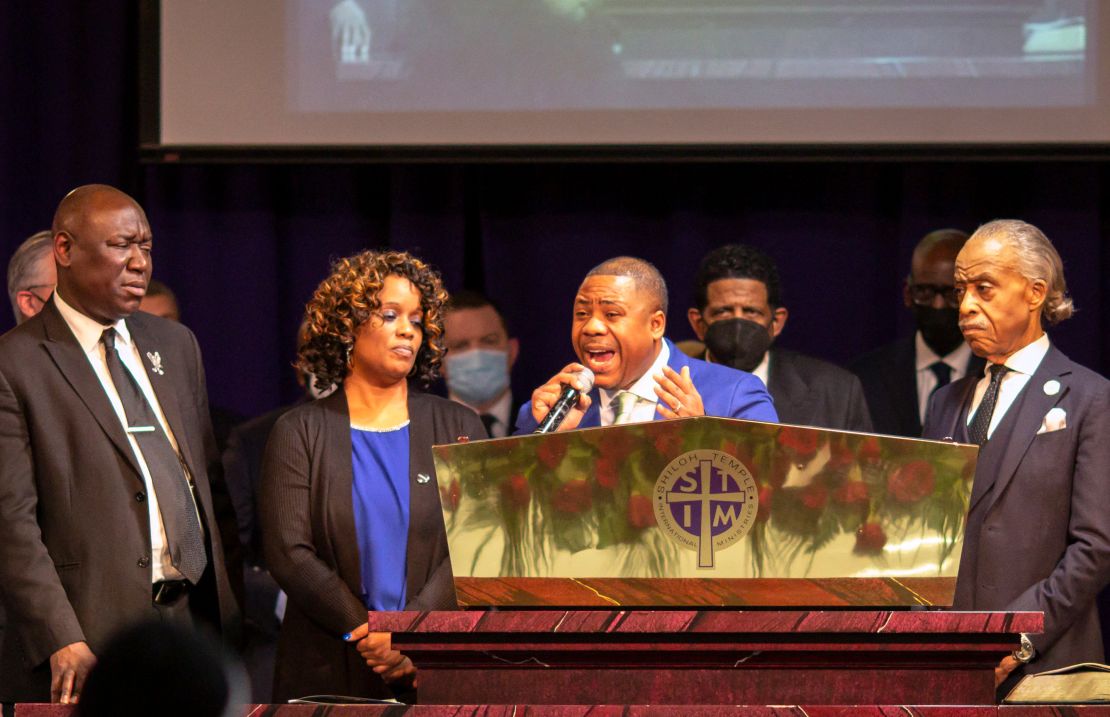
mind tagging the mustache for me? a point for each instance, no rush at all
(968, 325)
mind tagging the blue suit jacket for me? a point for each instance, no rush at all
(1038, 530)
(725, 392)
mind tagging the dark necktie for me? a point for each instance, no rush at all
(167, 472)
(943, 372)
(981, 421)
(488, 420)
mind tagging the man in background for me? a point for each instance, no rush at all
(480, 358)
(1037, 536)
(899, 378)
(31, 275)
(738, 315)
(160, 301)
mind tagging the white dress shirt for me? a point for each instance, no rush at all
(644, 389)
(1022, 366)
(763, 370)
(926, 379)
(88, 332)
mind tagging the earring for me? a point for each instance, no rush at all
(348, 359)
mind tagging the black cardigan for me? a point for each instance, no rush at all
(308, 533)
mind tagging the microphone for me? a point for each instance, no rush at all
(567, 401)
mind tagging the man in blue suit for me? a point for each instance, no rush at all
(620, 316)
(1038, 531)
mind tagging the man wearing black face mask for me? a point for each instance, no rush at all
(738, 315)
(899, 378)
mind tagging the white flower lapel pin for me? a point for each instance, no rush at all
(155, 362)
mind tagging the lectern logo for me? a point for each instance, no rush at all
(706, 500)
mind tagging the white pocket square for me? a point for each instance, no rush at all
(1055, 420)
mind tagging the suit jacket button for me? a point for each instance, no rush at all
(141, 497)
(144, 562)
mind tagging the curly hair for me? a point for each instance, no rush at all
(348, 297)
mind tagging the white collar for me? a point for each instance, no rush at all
(86, 329)
(1026, 359)
(644, 387)
(957, 358)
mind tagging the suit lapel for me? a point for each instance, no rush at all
(1027, 413)
(165, 385)
(74, 365)
(903, 382)
(592, 417)
(339, 473)
(421, 496)
(676, 360)
(788, 389)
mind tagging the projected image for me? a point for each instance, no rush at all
(407, 55)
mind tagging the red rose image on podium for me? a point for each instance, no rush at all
(911, 482)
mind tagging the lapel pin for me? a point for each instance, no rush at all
(156, 362)
(1051, 387)
(423, 478)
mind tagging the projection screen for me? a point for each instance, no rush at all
(462, 73)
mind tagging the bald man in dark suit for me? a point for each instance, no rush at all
(107, 514)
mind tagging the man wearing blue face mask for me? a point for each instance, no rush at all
(738, 315)
(480, 356)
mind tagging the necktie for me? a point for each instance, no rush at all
(981, 421)
(488, 420)
(943, 372)
(167, 473)
(626, 402)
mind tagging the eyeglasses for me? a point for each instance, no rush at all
(40, 286)
(925, 294)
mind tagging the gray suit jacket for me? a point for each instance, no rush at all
(308, 533)
(1038, 527)
(74, 529)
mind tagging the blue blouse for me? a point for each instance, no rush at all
(380, 493)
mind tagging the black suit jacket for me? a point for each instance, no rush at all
(74, 529)
(889, 378)
(812, 392)
(308, 531)
(1038, 528)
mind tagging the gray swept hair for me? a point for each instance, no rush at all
(1036, 258)
(22, 266)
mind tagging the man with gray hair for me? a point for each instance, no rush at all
(31, 275)
(1038, 531)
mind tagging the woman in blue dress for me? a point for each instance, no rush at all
(350, 507)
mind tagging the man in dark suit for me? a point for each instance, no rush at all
(107, 514)
(620, 316)
(738, 315)
(899, 378)
(480, 357)
(1038, 530)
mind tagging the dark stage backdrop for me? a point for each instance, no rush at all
(244, 245)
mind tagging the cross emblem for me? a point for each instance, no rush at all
(704, 496)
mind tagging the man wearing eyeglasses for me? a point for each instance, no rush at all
(899, 378)
(31, 275)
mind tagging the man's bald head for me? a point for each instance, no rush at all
(938, 248)
(102, 245)
(646, 277)
(76, 206)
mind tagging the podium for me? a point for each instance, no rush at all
(705, 561)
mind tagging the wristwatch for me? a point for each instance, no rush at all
(1027, 651)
